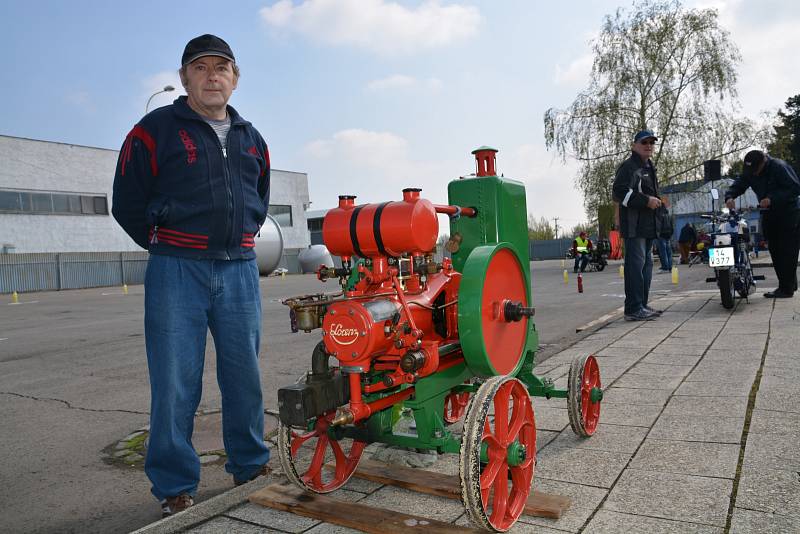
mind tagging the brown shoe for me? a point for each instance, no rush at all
(263, 471)
(173, 505)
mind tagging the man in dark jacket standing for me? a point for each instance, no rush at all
(192, 187)
(777, 187)
(636, 190)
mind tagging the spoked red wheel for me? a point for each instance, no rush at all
(455, 404)
(584, 394)
(304, 454)
(498, 453)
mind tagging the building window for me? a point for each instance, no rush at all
(315, 225)
(282, 214)
(46, 203)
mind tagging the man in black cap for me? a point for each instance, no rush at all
(636, 191)
(777, 187)
(192, 187)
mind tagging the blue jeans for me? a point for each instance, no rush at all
(582, 259)
(638, 272)
(184, 299)
(665, 253)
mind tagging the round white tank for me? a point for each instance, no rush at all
(269, 246)
(314, 256)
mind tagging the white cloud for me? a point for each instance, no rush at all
(376, 166)
(549, 184)
(576, 73)
(400, 81)
(768, 40)
(380, 26)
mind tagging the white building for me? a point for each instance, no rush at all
(56, 197)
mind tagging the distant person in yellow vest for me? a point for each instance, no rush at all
(581, 246)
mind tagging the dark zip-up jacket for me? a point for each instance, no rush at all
(635, 180)
(777, 181)
(179, 192)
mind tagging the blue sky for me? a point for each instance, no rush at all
(366, 96)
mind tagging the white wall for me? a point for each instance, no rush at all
(33, 165)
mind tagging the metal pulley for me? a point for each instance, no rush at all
(493, 310)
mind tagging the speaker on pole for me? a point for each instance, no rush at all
(712, 170)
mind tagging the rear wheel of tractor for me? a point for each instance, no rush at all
(455, 404)
(584, 395)
(725, 282)
(498, 453)
(304, 453)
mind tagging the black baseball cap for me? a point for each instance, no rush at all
(644, 134)
(751, 162)
(206, 45)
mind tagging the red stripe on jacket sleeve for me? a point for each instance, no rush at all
(148, 141)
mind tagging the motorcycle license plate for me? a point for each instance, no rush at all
(720, 257)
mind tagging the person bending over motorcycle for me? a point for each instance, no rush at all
(581, 246)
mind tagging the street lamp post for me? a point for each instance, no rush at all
(166, 89)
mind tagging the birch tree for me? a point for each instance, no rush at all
(660, 67)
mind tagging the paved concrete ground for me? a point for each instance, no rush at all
(73, 381)
(699, 433)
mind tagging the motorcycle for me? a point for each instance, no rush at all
(728, 256)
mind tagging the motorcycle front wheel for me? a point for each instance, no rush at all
(725, 283)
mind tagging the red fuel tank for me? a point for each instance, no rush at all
(387, 229)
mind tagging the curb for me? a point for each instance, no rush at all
(206, 510)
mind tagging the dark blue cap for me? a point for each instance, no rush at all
(644, 134)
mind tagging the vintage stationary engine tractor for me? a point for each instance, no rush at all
(440, 338)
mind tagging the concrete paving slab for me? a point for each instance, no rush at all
(548, 417)
(681, 349)
(544, 438)
(714, 388)
(633, 353)
(672, 359)
(769, 490)
(785, 365)
(608, 522)
(585, 500)
(580, 466)
(707, 406)
(230, 526)
(414, 503)
(611, 438)
(778, 424)
(671, 496)
(713, 429)
(669, 370)
(738, 356)
(687, 458)
(610, 373)
(777, 392)
(271, 518)
(772, 452)
(750, 326)
(637, 342)
(740, 341)
(327, 528)
(648, 382)
(631, 396)
(639, 415)
(518, 528)
(749, 521)
(729, 375)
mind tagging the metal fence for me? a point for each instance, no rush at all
(549, 249)
(70, 270)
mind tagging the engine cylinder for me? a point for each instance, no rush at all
(387, 229)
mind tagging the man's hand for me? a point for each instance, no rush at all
(730, 204)
(653, 202)
(764, 203)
